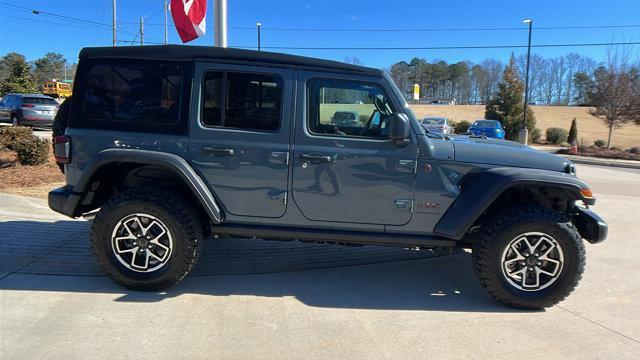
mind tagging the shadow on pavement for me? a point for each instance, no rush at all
(443, 283)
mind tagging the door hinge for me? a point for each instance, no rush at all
(403, 205)
(281, 196)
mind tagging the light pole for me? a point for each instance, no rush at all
(258, 26)
(113, 26)
(524, 132)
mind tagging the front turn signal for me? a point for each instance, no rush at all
(587, 193)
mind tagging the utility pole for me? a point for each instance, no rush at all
(259, 26)
(220, 23)
(166, 31)
(114, 23)
(524, 132)
(141, 31)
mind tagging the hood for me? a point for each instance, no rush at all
(503, 152)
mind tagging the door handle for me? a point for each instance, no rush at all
(218, 152)
(315, 159)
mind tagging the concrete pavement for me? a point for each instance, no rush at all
(422, 308)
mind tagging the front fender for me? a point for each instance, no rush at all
(480, 190)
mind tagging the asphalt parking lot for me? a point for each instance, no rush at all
(257, 299)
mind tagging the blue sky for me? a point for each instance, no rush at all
(29, 34)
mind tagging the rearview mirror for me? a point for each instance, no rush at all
(398, 127)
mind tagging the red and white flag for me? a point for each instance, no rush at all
(189, 16)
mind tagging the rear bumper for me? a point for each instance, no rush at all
(590, 226)
(64, 201)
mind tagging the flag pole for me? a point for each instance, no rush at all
(220, 23)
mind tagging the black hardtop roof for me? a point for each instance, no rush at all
(188, 52)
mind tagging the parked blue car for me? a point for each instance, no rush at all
(488, 128)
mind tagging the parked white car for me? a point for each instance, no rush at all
(437, 124)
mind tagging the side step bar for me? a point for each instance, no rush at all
(332, 236)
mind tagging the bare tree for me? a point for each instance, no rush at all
(616, 93)
(353, 60)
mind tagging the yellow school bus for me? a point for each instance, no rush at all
(56, 89)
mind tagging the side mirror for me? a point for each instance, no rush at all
(399, 127)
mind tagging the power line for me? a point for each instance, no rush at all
(46, 13)
(420, 29)
(468, 47)
(58, 16)
(439, 29)
(48, 22)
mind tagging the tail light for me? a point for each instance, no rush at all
(62, 149)
(28, 105)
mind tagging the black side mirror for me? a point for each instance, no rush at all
(399, 127)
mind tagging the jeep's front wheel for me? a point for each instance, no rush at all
(529, 257)
(146, 238)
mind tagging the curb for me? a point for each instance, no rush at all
(600, 162)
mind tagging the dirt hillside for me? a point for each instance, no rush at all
(589, 128)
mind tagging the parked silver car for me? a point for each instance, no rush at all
(437, 124)
(28, 109)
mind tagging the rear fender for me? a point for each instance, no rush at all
(173, 162)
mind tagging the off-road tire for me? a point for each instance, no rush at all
(173, 211)
(496, 234)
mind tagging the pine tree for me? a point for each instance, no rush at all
(573, 132)
(19, 77)
(508, 104)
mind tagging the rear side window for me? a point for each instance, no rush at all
(136, 93)
(40, 101)
(251, 101)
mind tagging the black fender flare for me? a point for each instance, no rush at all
(173, 162)
(482, 189)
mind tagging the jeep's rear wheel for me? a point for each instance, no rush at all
(529, 257)
(146, 238)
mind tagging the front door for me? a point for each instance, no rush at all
(345, 168)
(239, 137)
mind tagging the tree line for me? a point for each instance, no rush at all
(562, 80)
(20, 76)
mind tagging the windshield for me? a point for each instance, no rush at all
(40, 100)
(433, 121)
(344, 116)
(485, 124)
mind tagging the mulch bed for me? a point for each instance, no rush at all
(599, 152)
(14, 175)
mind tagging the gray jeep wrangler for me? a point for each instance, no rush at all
(168, 145)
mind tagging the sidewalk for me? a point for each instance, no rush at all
(589, 160)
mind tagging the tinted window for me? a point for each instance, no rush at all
(346, 108)
(252, 101)
(486, 124)
(40, 101)
(134, 93)
(433, 121)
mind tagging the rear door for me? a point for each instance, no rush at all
(239, 135)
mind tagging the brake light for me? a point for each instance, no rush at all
(28, 105)
(62, 149)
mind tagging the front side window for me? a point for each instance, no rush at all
(134, 93)
(345, 108)
(251, 101)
